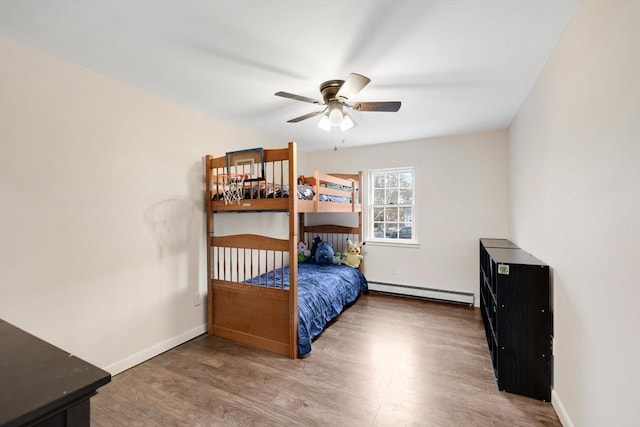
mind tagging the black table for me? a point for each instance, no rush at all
(43, 385)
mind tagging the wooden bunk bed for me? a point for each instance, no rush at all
(253, 279)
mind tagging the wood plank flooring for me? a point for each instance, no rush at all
(386, 361)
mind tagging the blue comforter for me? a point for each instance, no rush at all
(323, 292)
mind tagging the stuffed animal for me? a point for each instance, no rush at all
(305, 193)
(353, 257)
(303, 252)
(314, 247)
(338, 258)
(324, 253)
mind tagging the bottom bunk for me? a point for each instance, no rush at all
(323, 292)
(260, 296)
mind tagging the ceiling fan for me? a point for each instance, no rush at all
(337, 96)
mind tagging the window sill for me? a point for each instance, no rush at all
(409, 245)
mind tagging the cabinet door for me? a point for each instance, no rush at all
(523, 328)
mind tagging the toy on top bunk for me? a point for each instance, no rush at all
(305, 188)
(353, 256)
(306, 180)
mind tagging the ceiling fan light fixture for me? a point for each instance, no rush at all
(324, 123)
(335, 116)
(347, 123)
(327, 122)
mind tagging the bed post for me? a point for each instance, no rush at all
(360, 200)
(293, 252)
(207, 195)
(316, 192)
(359, 197)
(301, 230)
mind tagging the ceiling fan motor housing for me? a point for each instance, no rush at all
(329, 90)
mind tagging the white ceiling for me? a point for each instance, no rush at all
(457, 66)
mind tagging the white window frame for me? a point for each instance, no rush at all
(370, 217)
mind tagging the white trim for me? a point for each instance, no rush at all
(156, 349)
(416, 291)
(562, 413)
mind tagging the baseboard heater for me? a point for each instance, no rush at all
(456, 297)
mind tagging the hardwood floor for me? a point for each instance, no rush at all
(386, 361)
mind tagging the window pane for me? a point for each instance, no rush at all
(406, 196)
(378, 197)
(406, 179)
(378, 181)
(392, 196)
(392, 180)
(378, 229)
(405, 232)
(391, 214)
(405, 214)
(391, 231)
(378, 214)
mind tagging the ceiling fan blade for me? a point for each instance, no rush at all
(298, 97)
(392, 106)
(354, 84)
(306, 116)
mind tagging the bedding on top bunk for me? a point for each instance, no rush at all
(323, 292)
(303, 192)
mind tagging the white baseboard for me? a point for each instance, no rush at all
(428, 293)
(154, 350)
(562, 413)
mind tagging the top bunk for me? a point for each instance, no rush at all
(266, 180)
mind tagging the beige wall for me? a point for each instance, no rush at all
(575, 203)
(461, 195)
(101, 201)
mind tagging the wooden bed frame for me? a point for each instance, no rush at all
(261, 316)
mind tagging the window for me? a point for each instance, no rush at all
(392, 205)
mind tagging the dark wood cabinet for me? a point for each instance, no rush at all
(42, 385)
(515, 306)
